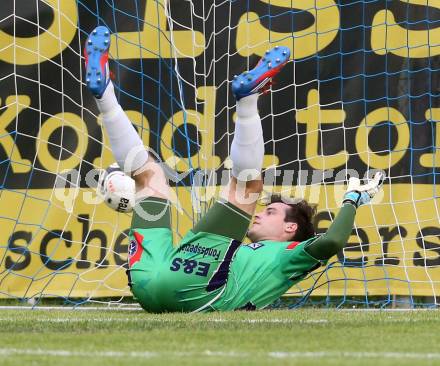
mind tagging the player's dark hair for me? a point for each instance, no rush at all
(299, 212)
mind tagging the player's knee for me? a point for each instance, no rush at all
(254, 186)
(149, 172)
(245, 190)
(151, 180)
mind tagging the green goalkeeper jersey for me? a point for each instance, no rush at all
(209, 272)
(261, 272)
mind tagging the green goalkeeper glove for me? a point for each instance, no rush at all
(360, 194)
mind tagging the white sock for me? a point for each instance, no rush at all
(247, 149)
(127, 147)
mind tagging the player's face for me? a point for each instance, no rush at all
(270, 225)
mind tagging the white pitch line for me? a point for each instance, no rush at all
(158, 320)
(402, 310)
(78, 308)
(246, 321)
(207, 353)
(323, 354)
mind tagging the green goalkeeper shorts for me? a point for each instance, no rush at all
(191, 276)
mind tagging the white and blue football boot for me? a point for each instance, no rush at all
(96, 58)
(259, 79)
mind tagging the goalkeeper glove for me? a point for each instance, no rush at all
(360, 194)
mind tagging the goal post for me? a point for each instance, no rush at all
(361, 93)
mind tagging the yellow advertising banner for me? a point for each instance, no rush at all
(59, 245)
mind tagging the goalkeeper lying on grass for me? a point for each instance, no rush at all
(210, 269)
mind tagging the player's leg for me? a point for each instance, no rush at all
(150, 234)
(231, 215)
(247, 149)
(127, 147)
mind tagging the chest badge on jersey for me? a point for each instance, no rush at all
(292, 245)
(255, 246)
(135, 249)
(132, 248)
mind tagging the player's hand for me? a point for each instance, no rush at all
(360, 194)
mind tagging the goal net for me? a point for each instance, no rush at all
(361, 93)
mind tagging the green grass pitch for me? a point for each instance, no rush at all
(282, 337)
